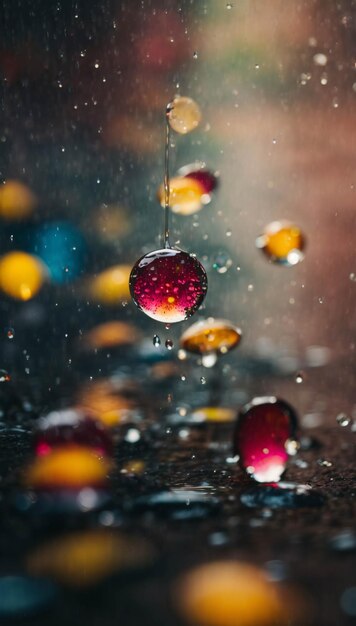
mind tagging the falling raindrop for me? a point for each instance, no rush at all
(299, 377)
(156, 341)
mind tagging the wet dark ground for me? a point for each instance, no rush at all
(212, 512)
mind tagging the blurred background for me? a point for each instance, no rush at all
(84, 86)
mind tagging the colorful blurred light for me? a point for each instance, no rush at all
(84, 559)
(228, 593)
(67, 468)
(21, 275)
(111, 286)
(16, 200)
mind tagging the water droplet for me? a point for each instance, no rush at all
(320, 59)
(203, 380)
(209, 359)
(211, 336)
(282, 242)
(184, 115)
(324, 463)
(10, 333)
(222, 263)
(156, 341)
(229, 6)
(292, 446)
(299, 377)
(335, 103)
(195, 55)
(169, 344)
(133, 435)
(168, 285)
(228, 233)
(4, 376)
(353, 277)
(343, 419)
(263, 431)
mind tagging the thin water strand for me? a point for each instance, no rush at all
(166, 179)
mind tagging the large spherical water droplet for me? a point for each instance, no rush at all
(168, 285)
(184, 115)
(282, 242)
(264, 431)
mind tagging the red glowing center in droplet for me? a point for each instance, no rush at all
(168, 285)
(261, 437)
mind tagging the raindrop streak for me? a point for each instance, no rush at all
(169, 285)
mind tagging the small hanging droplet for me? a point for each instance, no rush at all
(156, 341)
(195, 55)
(10, 333)
(343, 419)
(169, 344)
(353, 277)
(203, 380)
(299, 378)
(229, 6)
